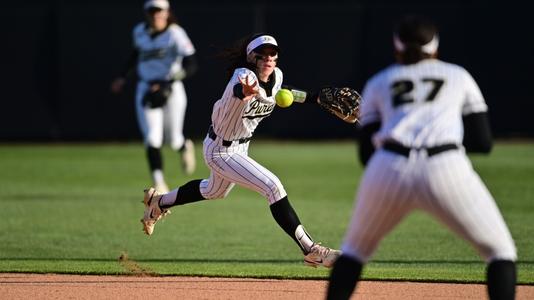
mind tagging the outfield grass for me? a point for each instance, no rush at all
(76, 209)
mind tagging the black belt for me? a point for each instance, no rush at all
(405, 151)
(225, 143)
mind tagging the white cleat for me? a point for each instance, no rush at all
(153, 212)
(321, 256)
(188, 157)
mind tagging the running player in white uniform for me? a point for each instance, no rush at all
(247, 99)
(416, 114)
(164, 56)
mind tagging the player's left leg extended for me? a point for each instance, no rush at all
(234, 165)
(151, 125)
(461, 200)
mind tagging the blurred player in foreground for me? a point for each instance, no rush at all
(248, 98)
(164, 56)
(415, 116)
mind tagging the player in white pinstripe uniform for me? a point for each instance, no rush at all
(247, 99)
(417, 114)
(164, 56)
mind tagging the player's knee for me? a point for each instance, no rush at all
(507, 252)
(275, 193)
(153, 142)
(212, 194)
(177, 143)
(154, 138)
(500, 251)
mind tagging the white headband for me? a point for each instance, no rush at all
(428, 48)
(261, 40)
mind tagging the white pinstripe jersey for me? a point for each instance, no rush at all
(160, 58)
(421, 105)
(233, 118)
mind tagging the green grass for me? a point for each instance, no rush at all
(76, 209)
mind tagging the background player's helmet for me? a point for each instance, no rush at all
(161, 4)
(259, 42)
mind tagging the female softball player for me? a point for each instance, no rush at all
(164, 56)
(417, 114)
(247, 99)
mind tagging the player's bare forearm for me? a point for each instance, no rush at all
(300, 95)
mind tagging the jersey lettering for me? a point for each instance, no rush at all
(436, 86)
(258, 110)
(401, 90)
(152, 54)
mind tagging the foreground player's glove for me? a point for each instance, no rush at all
(158, 98)
(342, 102)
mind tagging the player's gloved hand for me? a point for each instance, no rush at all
(344, 102)
(249, 88)
(157, 94)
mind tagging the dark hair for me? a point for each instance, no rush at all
(171, 19)
(236, 55)
(414, 31)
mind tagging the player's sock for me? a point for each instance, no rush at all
(501, 279)
(168, 199)
(286, 218)
(304, 239)
(157, 176)
(155, 161)
(344, 278)
(187, 193)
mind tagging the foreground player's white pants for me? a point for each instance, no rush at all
(231, 165)
(444, 185)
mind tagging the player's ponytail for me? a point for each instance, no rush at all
(236, 55)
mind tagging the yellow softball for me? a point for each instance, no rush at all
(284, 98)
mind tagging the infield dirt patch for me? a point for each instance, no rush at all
(54, 286)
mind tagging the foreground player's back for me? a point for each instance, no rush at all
(422, 104)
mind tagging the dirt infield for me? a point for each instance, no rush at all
(53, 286)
